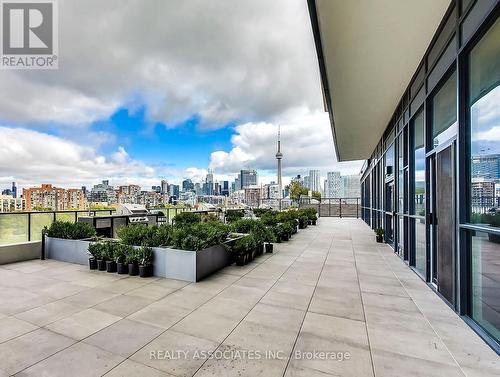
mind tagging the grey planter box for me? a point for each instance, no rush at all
(71, 251)
(168, 263)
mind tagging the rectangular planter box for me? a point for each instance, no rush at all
(168, 263)
(71, 251)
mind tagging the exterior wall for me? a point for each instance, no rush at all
(400, 185)
(19, 252)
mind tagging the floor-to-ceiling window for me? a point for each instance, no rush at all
(484, 201)
(444, 112)
(418, 190)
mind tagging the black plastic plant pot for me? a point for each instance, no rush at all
(285, 237)
(309, 222)
(133, 269)
(278, 239)
(101, 265)
(380, 239)
(302, 226)
(146, 271)
(122, 268)
(314, 222)
(240, 260)
(269, 247)
(93, 263)
(110, 266)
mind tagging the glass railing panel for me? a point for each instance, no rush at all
(13, 228)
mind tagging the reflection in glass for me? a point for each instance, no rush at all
(400, 173)
(484, 102)
(389, 161)
(444, 112)
(486, 281)
(419, 165)
(420, 253)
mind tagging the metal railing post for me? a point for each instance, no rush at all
(29, 226)
(340, 207)
(357, 208)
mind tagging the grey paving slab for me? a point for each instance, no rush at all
(330, 289)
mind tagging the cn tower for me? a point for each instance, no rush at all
(279, 156)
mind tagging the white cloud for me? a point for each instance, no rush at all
(306, 143)
(223, 60)
(33, 157)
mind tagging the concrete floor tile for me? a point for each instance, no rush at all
(123, 305)
(24, 351)
(130, 368)
(124, 337)
(82, 324)
(161, 353)
(78, 360)
(11, 327)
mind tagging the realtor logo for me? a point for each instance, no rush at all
(29, 34)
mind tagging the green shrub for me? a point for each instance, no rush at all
(244, 244)
(95, 249)
(132, 256)
(122, 251)
(243, 225)
(200, 236)
(269, 218)
(233, 215)
(144, 235)
(259, 212)
(71, 231)
(186, 218)
(146, 255)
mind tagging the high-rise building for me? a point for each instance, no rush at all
(486, 166)
(279, 157)
(237, 184)
(306, 182)
(314, 180)
(164, 186)
(352, 186)
(248, 178)
(102, 193)
(225, 188)
(173, 190)
(198, 188)
(9, 203)
(335, 185)
(55, 198)
(187, 185)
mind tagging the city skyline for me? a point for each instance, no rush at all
(166, 119)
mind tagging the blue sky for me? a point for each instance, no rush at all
(180, 146)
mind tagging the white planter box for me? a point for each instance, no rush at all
(168, 263)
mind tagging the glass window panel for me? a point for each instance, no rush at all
(13, 228)
(420, 252)
(486, 281)
(444, 112)
(39, 220)
(66, 216)
(419, 165)
(400, 173)
(484, 94)
(389, 161)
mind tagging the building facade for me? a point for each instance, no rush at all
(335, 185)
(315, 180)
(248, 178)
(54, 198)
(9, 203)
(431, 171)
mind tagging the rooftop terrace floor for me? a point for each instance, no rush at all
(330, 289)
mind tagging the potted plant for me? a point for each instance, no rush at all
(239, 248)
(132, 261)
(121, 252)
(94, 252)
(146, 256)
(110, 257)
(101, 256)
(380, 235)
(269, 238)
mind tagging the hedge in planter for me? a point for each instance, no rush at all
(234, 215)
(186, 218)
(141, 234)
(122, 251)
(71, 231)
(200, 236)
